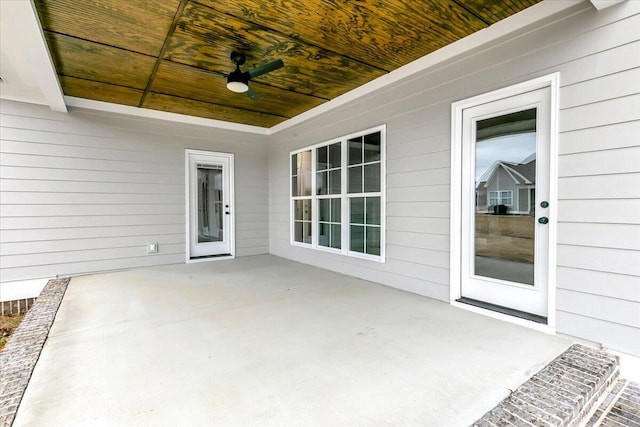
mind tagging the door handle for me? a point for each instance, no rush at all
(543, 220)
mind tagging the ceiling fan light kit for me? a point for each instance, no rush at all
(237, 87)
(238, 81)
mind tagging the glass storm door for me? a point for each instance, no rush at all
(505, 201)
(210, 219)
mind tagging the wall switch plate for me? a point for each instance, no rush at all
(152, 248)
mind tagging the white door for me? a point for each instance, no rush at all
(505, 204)
(210, 216)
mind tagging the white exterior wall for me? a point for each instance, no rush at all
(598, 263)
(85, 191)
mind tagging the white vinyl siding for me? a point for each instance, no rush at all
(84, 192)
(599, 192)
(598, 57)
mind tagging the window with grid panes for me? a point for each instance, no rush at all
(329, 191)
(302, 196)
(501, 197)
(364, 193)
(345, 195)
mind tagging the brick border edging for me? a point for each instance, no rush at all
(620, 406)
(561, 394)
(20, 355)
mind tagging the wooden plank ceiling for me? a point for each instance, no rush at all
(174, 55)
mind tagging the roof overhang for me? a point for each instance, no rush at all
(29, 74)
(26, 67)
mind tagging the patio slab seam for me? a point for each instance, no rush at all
(20, 355)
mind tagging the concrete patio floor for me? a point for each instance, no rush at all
(263, 341)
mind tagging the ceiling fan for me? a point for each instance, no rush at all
(238, 81)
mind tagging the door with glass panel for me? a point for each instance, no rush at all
(210, 204)
(505, 204)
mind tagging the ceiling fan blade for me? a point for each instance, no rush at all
(252, 94)
(266, 68)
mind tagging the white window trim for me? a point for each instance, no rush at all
(344, 196)
(510, 197)
(552, 81)
(492, 199)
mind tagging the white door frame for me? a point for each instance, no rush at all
(203, 155)
(455, 257)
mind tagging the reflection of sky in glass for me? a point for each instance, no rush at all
(512, 148)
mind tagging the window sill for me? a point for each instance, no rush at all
(377, 258)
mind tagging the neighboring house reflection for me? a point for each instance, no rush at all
(508, 188)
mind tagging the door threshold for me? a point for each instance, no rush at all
(206, 258)
(504, 310)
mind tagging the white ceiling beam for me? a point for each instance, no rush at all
(27, 66)
(603, 4)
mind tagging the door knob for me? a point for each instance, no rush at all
(543, 220)
(544, 204)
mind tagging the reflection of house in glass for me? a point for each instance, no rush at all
(508, 188)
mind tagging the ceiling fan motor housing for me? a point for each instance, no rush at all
(238, 58)
(238, 81)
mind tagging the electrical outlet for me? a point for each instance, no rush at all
(152, 248)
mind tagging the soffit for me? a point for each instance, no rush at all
(174, 55)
